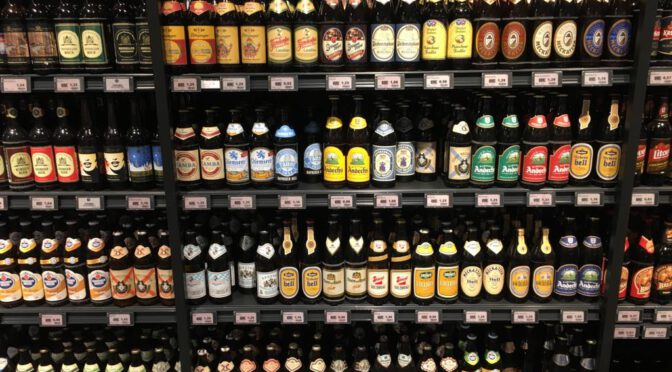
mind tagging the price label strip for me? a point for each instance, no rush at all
(589, 199)
(196, 203)
(541, 199)
(235, 84)
(662, 316)
(336, 317)
(342, 201)
(245, 317)
(15, 84)
(4, 203)
(573, 316)
(291, 201)
(185, 84)
(211, 84)
(340, 82)
(629, 316)
(438, 200)
(476, 317)
(547, 79)
(120, 319)
(203, 318)
(386, 201)
(427, 316)
(43, 203)
(294, 317)
(644, 199)
(140, 203)
(383, 317)
(523, 317)
(390, 82)
(660, 77)
(489, 200)
(655, 332)
(90, 203)
(495, 80)
(52, 320)
(285, 83)
(438, 81)
(597, 78)
(243, 202)
(622, 333)
(70, 84)
(118, 84)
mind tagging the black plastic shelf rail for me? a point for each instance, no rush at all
(77, 83)
(650, 321)
(82, 200)
(62, 316)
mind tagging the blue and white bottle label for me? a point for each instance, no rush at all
(287, 162)
(312, 157)
(590, 277)
(405, 159)
(566, 280)
(383, 163)
(619, 37)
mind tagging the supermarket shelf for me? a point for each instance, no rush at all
(82, 200)
(648, 196)
(650, 312)
(77, 83)
(61, 316)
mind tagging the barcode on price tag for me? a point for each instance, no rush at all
(52, 320)
(438, 200)
(547, 79)
(192, 203)
(496, 80)
(523, 317)
(139, 203)
(119, 319)
(283, 83)
(427, 316)
(293, 317)
(663, 316)
(387, 201)
(629, 316)
(488, 200)
(210, 84)
(186, 84)
(203, 318)
(4, 203)
(70, 84)
(660, 77)
(336, 317)
(235, 84)
(340, 82)
(43, 203)
(644, 199)
(15, 84)
(90, 203)
(243, 202)
(118, 84)
(655, 332)
(342, 201)
(588, 199)
(625, 332)
(383, 317)
(573, 316)
(476, 317)
(596, 78)
(292, 201)
(245, 317)
(540, 199)
(389, 81)
(438, 81)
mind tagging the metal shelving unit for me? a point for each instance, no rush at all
(83, 200)
(77, 83)
(61, 316)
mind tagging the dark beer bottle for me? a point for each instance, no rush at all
(487, 39)
(194, 270)
(378, 265)
(289, 278)
(459, 158)
(124, 36)
(122, 278)
(201, 34)
(408, 35)
(311, 268)
(608, 147)
(508, 144)
(424, 270)
(312, 150)
(384, 142)
(139, 152)
(211, 151)
(253, 36)
(665, 40)
(9, 270)
(143, 45)
(75, 265)
(425, 153)
(66, 28)
(560, 146)
(494, 272)
(53, 276)
(97, 265)
(581, 159)
(333, 158)
(484, 141)
(404, 166)
(245, 257)
(266, 268)
(173, 19)
(541, 31)
(95, 35)
(565, 32)
(279, 35)
(514, 32)
(592, 31)
(333, 265)
(32, 285)
(236, 152)
(330, 19)
(41, 151)
(16, 37)
(448, 267)
(566, 269)
(642, 260)
(382, 34)
(144, 268)
(460, 35)
(471, 361)
(41, 37)
(358, 163)
(401, 276)
(305, 36)
(114, 151)
(227, 35)
(262, 158)
(659, 134)
(492, 360)
(356, 263)
(471, 270)
(356, 34)
(219, 270)
(590, 260)
(542, 271)
(164, 270)
(535, 147)
(434, 34)
(89, 150)
(16, 149)
(662, 280)
(518, 272)
(286, 153)
(618, 32)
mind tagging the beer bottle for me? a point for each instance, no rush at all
(378, 265)
(426, 361)
(236, 153)
(122, 278)
(618, 32)
(88, 151)
(448, 267)
(434, 34)
(53, 277)
(581, 160)
(460, 35)
(484, 141)
(97, 265)
(492, 361)
(383, 358)
(227, 37)
(642, 259)
(32, 285)
(567, 271)
(219, 270)
(16, 37)
(660, 134)
(518, 270)
(471, 270)
(65, 152)
(95, 35)
(290, 282)
(41, 37)
(9, 271)
(211, 151)
(266, 269)
(46, 362)
(124, 36)
(514, 33)
(401, 265)
(487, 41)
(356, 264)
(541, 31)
(262, 159)
(312, 150)
(408, 35)
(560, 146)
(271, 361)
(75, 265)
(471, 361)
(17, 153)
(356, 34)
(144, 268)
(279, 35)
(253, 36)
(3, 170)
(459, 139)
(384, 142)
(164, 270)
(305, 35)
(382, 34)
(494, 272)
(543, 272)
(311, 270)
(565, 32)
(173, 19)
(333, 265)
(592, 29)
(662, 282)
(143, 45)
(404, 167)
(194, 270)
(333, 159)
(358, 161)
(41, 151)
(590, 271)
(66, 28)
(535, 147)
(608, 154)
(425, 155)
(331, 19)
(286, 153)
(665, 39)
(508, 144)
(114, 151)
(424, 270)
(139, 153)
(315, 360)
(246, 265)
(201, 34)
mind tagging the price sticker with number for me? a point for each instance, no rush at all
(293, 317)
(389, 81)
(660, 77)
(626, 332)
(540, 199)
(243, 202)
(629, 316)
(655, 332)
(245, 317)
(15, 84)
(186, 84)
(52, 320)
(119, 319)
(662, 316)
(383, 317)
(476, 317)
(438, 81)
(589, 199)
(118, 84)
(596, 78)
(43, 203)
(428, 316)
(523, 317)
(488, 200)
(235, 84)
(139, 203)
(90, 203)
(283, 83)
(203, 318)
(211, 84)
(490, 80)
(336, 317)
(438, 200)
(342, 201)
(69, 84)
(547, 79)
(195, 203)
(292, 201)
(340, 82)
(644, 199)
(387, 201)
(573, 316)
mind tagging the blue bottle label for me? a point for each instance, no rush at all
(590, 277)
(312, 158)
(287, 162)
(593, 38)
(619, 38)
(157, 160)
(139, 162)
(383, 163)
(566, 280)
(405, 159)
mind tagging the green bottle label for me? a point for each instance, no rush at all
(94, 48)
(125, 43)
(509, 164)
(483, 164)
(485, 121)
(510, 121)
(144, 47)
(69, 47)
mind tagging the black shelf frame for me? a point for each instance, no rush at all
(88, 314)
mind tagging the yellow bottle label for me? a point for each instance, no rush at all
(460, 35)
(251, 7)
(88, 163)
(11, 287)
(21, 165)
(228, 49)
(447, 281)
(334, 123)
(201, 40)
(471, 280)
(581, 161)
(544, 277)
(289, 282)
(424, 282)
(358, 165)
(358, 122)
(519, 281)
(279, 40)
(174, 45)
(31, 285)
(225, 7)
(493, 281)
(334, 164)
(608, 159)
(93, 44)
(355, 281)
(333, 282)
(311, 282)
(253, 41)
(433, 40)
(305, 44)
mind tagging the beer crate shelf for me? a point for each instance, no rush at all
(82, 200)
(59, 316)
(77, 83)
(244, 308)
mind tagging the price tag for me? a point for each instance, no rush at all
(625, 332)
(245, 317)
(476, 317)
(488, 200)
(293, 317)
(547, 79)
(90, 203)
(15, 84)
(340, 82)
(43, 203)
(438, 81)
(203, 318)
(573, 316)
(383, 317)
(588, 199)
(389, 82)
(662, 316)
(644, 199)
(629, 316)
(438, 200)
(69, 84)
(490, 80)
(342, 202)
(118, 84)
(387, 201)
(660, 77)
(336, 317)
(195, 203)
(540, 199)
(283, 83)
(210, 84)
(186, 84)
(139, 203)
(292, 201)
(427, 317)
(119, 319)
(52, 320)
(4, 204)
(523, 317)
(596, 78)
(655, 332)
(235, 84)
(243, 202)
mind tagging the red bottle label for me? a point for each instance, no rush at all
(659, 153)
(640, 283)
(172, 6)
(487, 41)
(623, 285)
(514, 38)
(537, 121)
(199, 7)
(67, 164)
(562, 121)
(534, 164)
(646, 244)
(558, 164)
(43, 164)
(641, 156)
(20, 165)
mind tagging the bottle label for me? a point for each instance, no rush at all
(311, 282)
(608, 159)
(228, 44)
(122, 283)
(659, 154)
(434, 40)
(42, 42)
(662, 279)
(279, 39)
(542, 285)
(237, 167)
(99, 285)
(541, 40)
(355, 43)
(271, 365)
(589, 279)
(519, 281)
(665, 42)
(219, 284)
(424, 282)
(201, 44)
(157, 162)
(165, 280)
(534, 164)
(382, 42)
(619, 37)
(66, 164)
(125, 43)
(76, 285)
(581, 161)
(493, 279)
(212, 164)
(267, 284)
(483, 164)
(252, 7)
(195, 285)
(405, 159)
(508, 164)
(144, 46)
(558, 164)
(593, 38)
(115, 166)
(564, 40)
(332, 44)
(248, 365)
(20, 164)
(400, 283)
(383, 163)
(428, 365)
(253, 44)
(459, 167)
(487, 41)
(43, 163)
(93, 43)
(262, 164)
(88, 166)
(69, 46)
(246, 275)
(355, 281)
(640, 285)
(358, 165)
(139, 163)
(16, 41)
(334, 164)
(425, 157)
(460, 35)
(333, 282)
(287, 163)
(289, 282)
(10, 287)
(471, 281)
(3, 171)
(174, 45)
(514, 40)
(407, 42)
(305, 44)
(378, 282)
(318, 365)
(54, 286)
(447, 278)
(31, 285)
(145, 282)
(312, 159)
